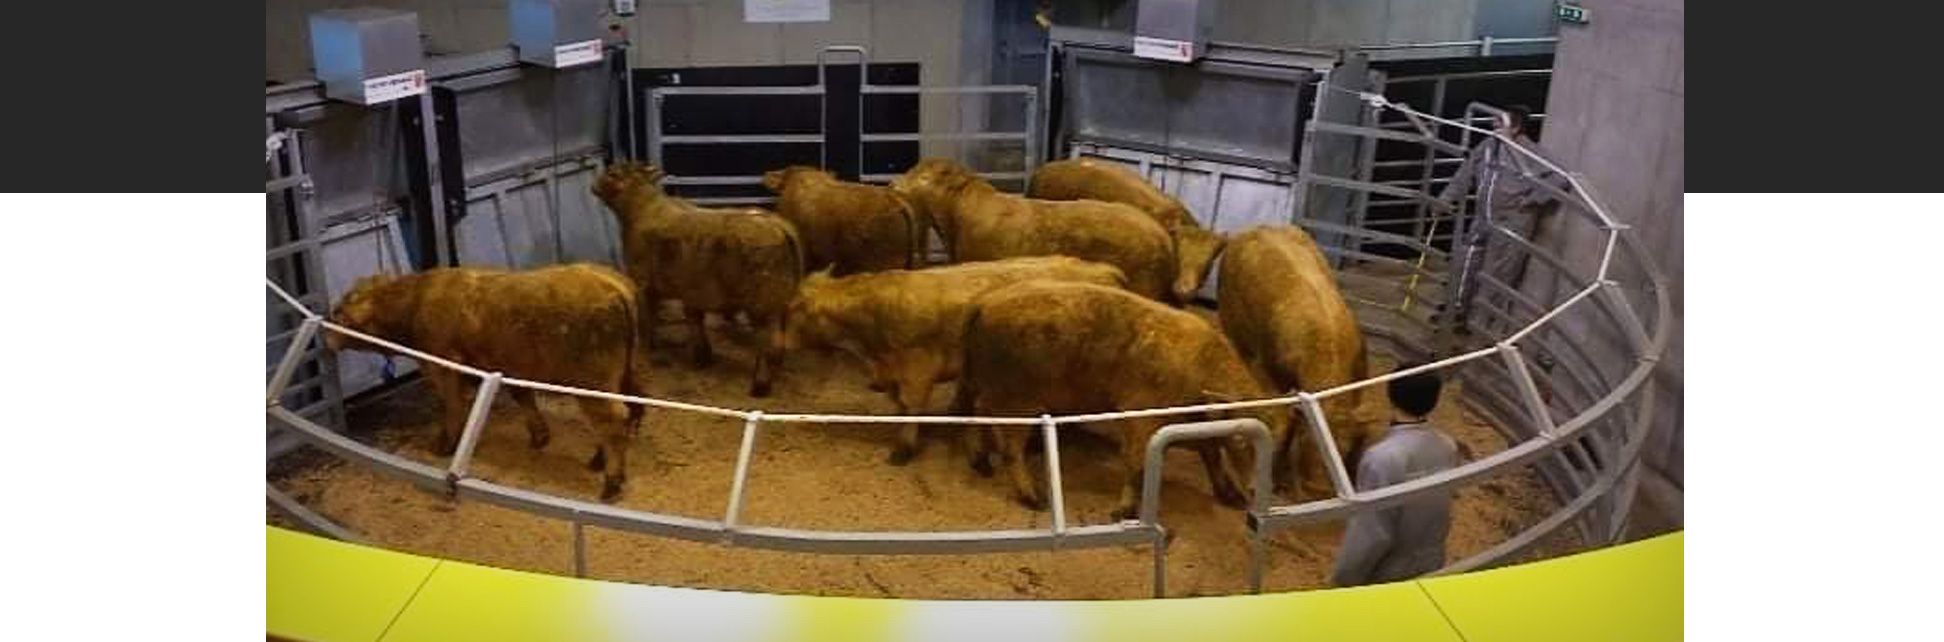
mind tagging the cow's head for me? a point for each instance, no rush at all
(776, 179)
(808, 322)
(931, 186)
(1195, 251)
(625, 185)
(365, 308)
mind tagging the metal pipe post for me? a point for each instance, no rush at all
(1528, 389)
(580, 549)
(299, 344)
(740, 482)
(475, 423)
(1056, 494)
(1325, 444)
(429, 127)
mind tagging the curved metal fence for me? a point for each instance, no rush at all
(1582, 420)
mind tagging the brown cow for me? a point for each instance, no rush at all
(571, 325)
(979, 223)
(1048, 347)
(1086, 178)
(712, 260)
(908, 325)
(1280, 305)
(851, 226)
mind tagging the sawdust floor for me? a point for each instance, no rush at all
(832, 477)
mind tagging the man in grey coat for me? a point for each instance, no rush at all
(1407, 540)
(1510, 197)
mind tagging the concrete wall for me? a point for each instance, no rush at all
(951, 40)
(1616, 113)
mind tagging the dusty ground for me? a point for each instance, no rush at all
(832, 477)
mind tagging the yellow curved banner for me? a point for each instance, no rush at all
(328, 591)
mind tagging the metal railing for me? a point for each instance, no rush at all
(1605, 426)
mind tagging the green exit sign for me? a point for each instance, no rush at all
(1571, 13)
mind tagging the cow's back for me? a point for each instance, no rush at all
(1280, 302)
(1068, 347)
(722, 259)
(1009, 226)
(570, 324)
(853, 226)
(1082, 178)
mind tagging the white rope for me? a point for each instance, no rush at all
(1292, 399)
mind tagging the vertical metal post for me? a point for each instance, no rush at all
(499, 220)
(653, 118)
(1032, 133)
(1057, 496)
(740, 482)
(1528, 389)
(1332, 458)
(1160, 561)
(314, 283)
(475, 423)
(580, 549)
(428, 124)
(553, 211)
(298, 344)
(1424, 210)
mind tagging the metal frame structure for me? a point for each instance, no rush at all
(1608, 411)
(1029, 138)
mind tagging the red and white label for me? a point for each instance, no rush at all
(1164, 49)
(393, 87)
(579, 53)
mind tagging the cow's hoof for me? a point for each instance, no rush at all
(702, 358)
(445, 447)
(1127, 512)
(1029, 501)
(982, 466)
(1232, 498)
(879, 386)
(901, 455)
(759, 389)
(611, 489)
(599, 461)
(538, 441)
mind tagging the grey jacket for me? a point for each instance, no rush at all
(1402, 541)
(1514, 194)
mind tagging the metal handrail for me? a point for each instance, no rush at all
(1264, 519)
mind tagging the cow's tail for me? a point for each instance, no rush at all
(631, 376)
(915, 236)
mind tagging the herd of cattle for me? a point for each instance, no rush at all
(1065, 300)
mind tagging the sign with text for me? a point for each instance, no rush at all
(786, 10)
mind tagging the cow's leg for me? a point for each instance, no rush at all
(979, 448)
(913, 397)
(1013, 441)
(699, 351)
(1133, 444)
(1311, 479)
(452, 390)
(1222, 479)
(610, 419)
(537, 433)
(979, 440)
(769, 352)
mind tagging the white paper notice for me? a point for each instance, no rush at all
(786, 10)
(394, 87)
(1163, 49)
(579, 53)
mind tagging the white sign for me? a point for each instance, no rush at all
(393, 87)
(786, 10)
(579, 53)
(1164, 49)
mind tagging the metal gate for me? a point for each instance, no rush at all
(658, 139)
